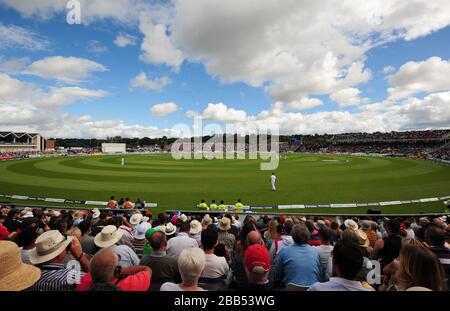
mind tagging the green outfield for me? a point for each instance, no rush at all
(180, 184)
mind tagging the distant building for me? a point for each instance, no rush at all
(114, 148)
(12, 142)
(49, 145)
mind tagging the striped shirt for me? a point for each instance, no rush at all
(138, 247)
(443, 253)
(56, 277)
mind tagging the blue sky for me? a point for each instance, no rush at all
(273, 86)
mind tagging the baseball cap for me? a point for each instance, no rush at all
(257, 259)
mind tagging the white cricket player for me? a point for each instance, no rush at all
(123, 162)
(273, 179)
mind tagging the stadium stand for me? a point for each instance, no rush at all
(241, 251)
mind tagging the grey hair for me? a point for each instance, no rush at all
(103, 265)
(300, 233)
(191, 263)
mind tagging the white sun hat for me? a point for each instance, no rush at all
(196, 226)
(135, 219)
(109, 236)
(48, 246)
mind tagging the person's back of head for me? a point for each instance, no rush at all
(253, 237)
(85, 227)
(27, 236)
(104, 287)
(435, 235)
(103, 265)
(116, 221)
(191, 263)
(334, 225)
(407, 224)
(209, 238)
(185, 227)
(310, 225)
(325, 234)
(162, 218)
(60, 225)
(300, 234)
(287, 226)
(347, 257)
(158, 241)
(418, 266)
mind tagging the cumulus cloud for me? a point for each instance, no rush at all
(221, 112)
(67, 95)
(141, 81)
(428, 76)
(16, 37)
(305, 103)
(348, 97)
(163, 109)
(96, 47)
(66, 69)
(388, 69)
(13, 65)
(157, 47)
(124, 39)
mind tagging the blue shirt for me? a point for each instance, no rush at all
(299, 264)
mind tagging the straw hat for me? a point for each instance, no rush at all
(224, 224)
(15, 275)
(136, 219)
(28, 215)
(170, 229)
(351, 224)
(48, 246)
(196, 227)
(109, 236)
(183, 218)
(96, 215)
(363, 240)
(206, 221)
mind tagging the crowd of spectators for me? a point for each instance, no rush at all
(98, 250)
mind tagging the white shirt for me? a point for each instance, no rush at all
(179, 243)
(338, 284)
(410, 233)
(273, 178)
(172, 287)
(325, 254)
(215, 266)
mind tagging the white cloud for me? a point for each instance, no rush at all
(124, 39)
(66, 96)
(305, 103)
(141, 80)
(428, 76)
(221, 112)
(157, 46)
(192, 114)
(13, 65)
(163, 109)
(348, 97)
(388, 69)
(96, 47)
(15, 37)
(67, 69)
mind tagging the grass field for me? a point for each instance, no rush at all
(302, 179)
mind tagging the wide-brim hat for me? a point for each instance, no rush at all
(14, 274)
(96, 215)
(170, 229)
(366, 225)
(351, 224)
(363, 240)
(207, 220)
(109, 236)
(48, 246)
(196, 227)
(140, 230)
(183, 217)
(135, 219)
(224, 224)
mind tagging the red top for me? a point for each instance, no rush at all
(135, 282)
(3, 232)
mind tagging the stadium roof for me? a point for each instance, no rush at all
(18, 135)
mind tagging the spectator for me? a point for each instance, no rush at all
(271, 234)
(285, 240)
(124, 226)
(300, 262)
(409, 232)
(109, 237)
(239, 274)
(314, 238)
(206, 221)
(347, 261)
(335, 232)
(105, 268)
(249, 225)
(12, 223)
(4, 233)
(170, 231)
(14, 274)
(325, 248)
(257, 267)
(49, 252)
(139, 237)
(112, 203)
(195, 231)
(435, 238)
(164, 267)
(215, 267)
(225, 237)
(182, 241)
(419, 267)
(366, 226)
(388, 248)
(27, 238)
(102, 221)
(87, 240)
(191, 263)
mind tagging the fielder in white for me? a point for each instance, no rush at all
(123, 162)
(273, 179)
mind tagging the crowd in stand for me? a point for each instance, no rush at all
(99, 251)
